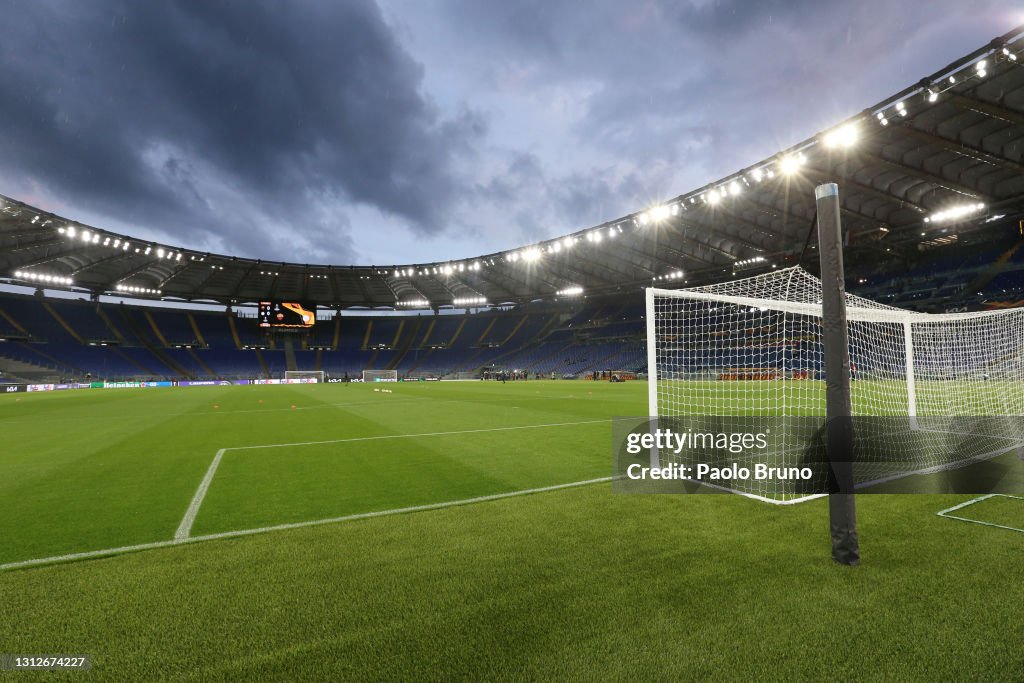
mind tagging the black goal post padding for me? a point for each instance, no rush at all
(838, 409)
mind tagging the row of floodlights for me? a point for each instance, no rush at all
(446, 269)
(43, 277)
(789, 164)
(931, 94)
(750, 261)
(89, 237)
(570, 291)
(675, 275)
(132, 289)
(469, 301)
(955, 213)
(415, 303)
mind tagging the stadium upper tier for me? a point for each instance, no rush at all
(926, 165)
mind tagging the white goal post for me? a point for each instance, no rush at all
(305, 375)
(380, 375)
(754, 347)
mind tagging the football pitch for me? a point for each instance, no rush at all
(460, 530)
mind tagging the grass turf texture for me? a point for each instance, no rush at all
(573, 583)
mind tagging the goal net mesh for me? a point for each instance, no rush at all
(754, 347)
(380, 375)
(306, 375)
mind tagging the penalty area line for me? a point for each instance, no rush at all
(945, 513)
(185, 527)
(95, 554)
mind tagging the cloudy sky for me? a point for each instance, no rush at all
(403, 131)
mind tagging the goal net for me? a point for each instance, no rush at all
(380, 375)
(754, 347)
(310, 376)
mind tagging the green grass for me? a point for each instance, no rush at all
(577, 583)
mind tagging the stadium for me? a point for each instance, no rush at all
(224, 468)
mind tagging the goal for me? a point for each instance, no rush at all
(311, 376)
(754, 347)
(380, 375)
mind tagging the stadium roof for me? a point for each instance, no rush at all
(944, 156)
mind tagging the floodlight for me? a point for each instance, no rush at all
(659, 212)
(843, 136)
(790, 164)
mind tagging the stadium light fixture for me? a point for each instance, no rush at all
(575, 290)
(842, 137)
(658, 213)
(791, 163)
(955, 213)
(43, 277)
(532, 254)
(757, 174)
(982, 68)
(901, 108)
(712, 197)
(567, 242)
(735, 188)
(932, 95)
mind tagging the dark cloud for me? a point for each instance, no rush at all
(412, 131)
(242, 119)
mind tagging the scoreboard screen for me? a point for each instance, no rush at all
(286, 314)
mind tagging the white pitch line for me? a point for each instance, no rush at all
(185, 528)
(93, 554)
(945, 513)
(409, 436)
